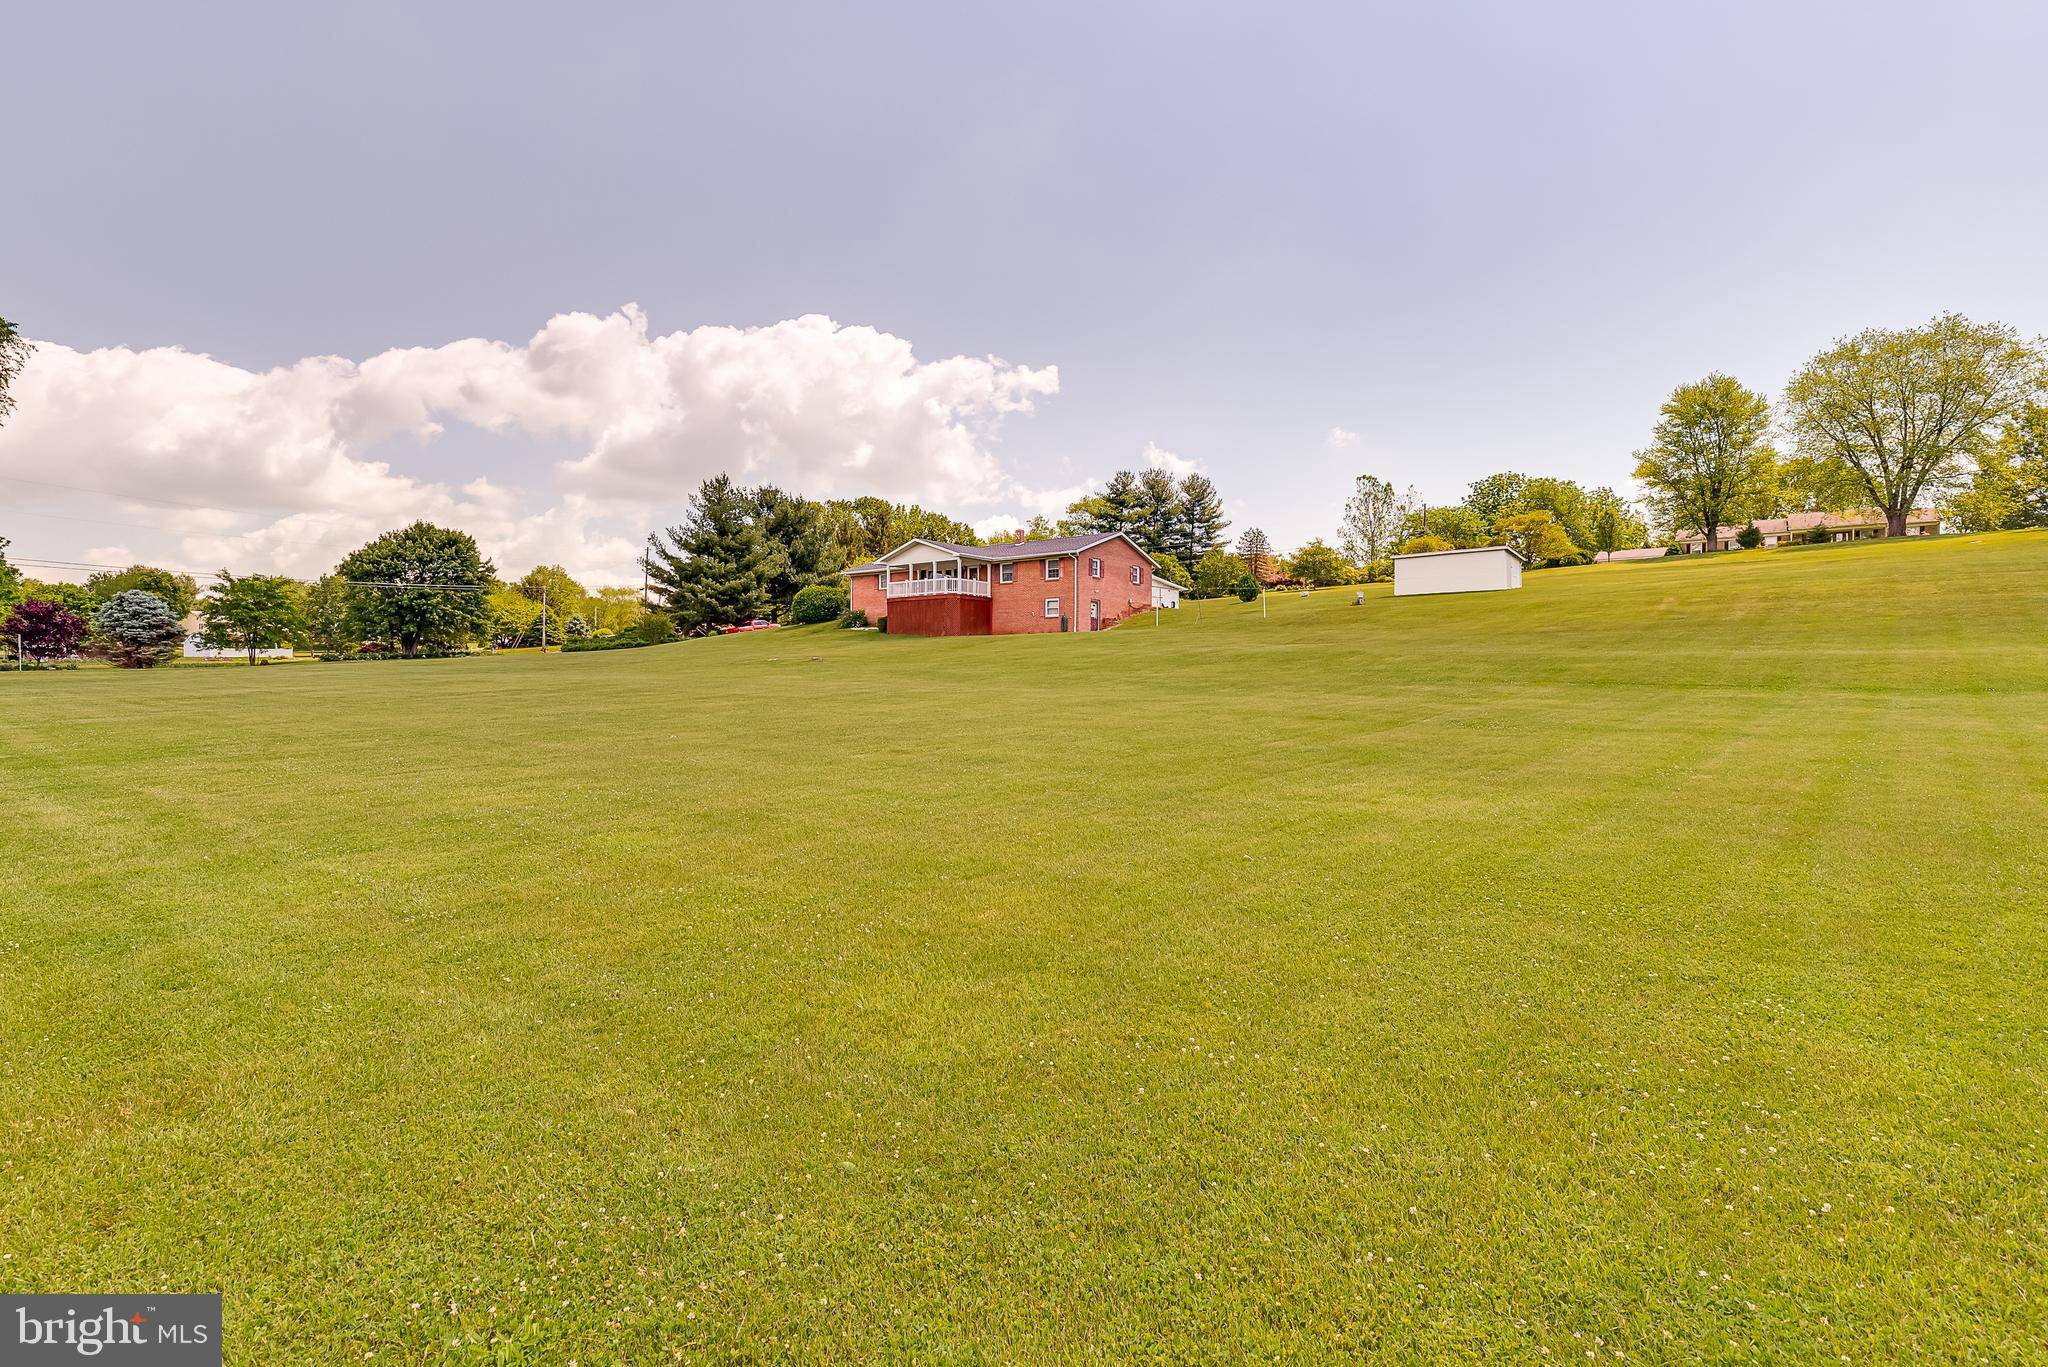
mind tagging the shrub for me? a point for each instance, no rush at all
(1817, 536)
(374, 652)
(1247, 589)
(1672, 550)
(656, 628)
(853, 617)
(1379, 571)
(624, 640)
(43, 631)
(1750, 537)
(136, 629)
(817, 603)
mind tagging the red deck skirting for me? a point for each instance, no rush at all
(939, 614)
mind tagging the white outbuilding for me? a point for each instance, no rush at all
(1166, 593)
(1481, 570)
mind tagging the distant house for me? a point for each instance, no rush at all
(1640, 553)
(1861, 525)
(1483, 569)
(1065, 583)
(196, 647)
(1166, 593)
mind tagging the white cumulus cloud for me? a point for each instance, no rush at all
(1159, 458)
(289, 468)
(1337, 438)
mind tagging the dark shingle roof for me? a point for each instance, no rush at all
(1012, 550)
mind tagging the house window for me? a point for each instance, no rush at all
(1137, 575)
(1006, 573)
(1095, 567)
(1052, 571)
(1095, 610)
(1052, 607)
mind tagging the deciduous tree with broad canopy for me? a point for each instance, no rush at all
(1906, 410)
(251, 612)
(1372, 520)
(1709, 456)
(420, 586)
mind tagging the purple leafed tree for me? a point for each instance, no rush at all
(44, 630)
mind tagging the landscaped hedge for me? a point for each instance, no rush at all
(368, 656)
(817, 603)
(625, 640)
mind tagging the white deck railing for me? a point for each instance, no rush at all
(938, 583)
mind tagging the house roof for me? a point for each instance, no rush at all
(1162, 579)
(1469, 550)
(1806, 522)
(1046, 548)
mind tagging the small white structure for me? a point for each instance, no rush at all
(1475, 571)
(197, 649)
(1166, 593)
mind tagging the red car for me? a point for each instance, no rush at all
(758, 624)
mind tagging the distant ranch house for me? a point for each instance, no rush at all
(1066, 583)
(1861, 525)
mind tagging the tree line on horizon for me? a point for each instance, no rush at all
(1953, 412)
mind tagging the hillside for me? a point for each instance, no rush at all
(1649, 961)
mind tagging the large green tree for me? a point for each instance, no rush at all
(1198, 521)
(1372, 519)
(551, 588)
(1612, 524)
(420, 586)
(2008, 489)
(800, 544)
(1708, 458)
(1317, 564)
(1255, 549)
(1537, 537)
(712, 569)
(250, 612)
(1497, 496)
(14, 349)
(1114, 509)
(180, 591)
(1908, 409)
(325, 624)
(1457, 526)
(10, 579)
(1216, 574)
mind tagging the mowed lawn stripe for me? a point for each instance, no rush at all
(1650, 957)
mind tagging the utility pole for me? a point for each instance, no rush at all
(543, 616)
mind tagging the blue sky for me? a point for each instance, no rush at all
(1475, 236)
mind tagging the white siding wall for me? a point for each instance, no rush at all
(1479, 571)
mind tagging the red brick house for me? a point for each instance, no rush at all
(1065, 583)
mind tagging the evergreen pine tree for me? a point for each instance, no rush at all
(1198, 522)
(1257, 553)
(713, 569)
(1155, 506)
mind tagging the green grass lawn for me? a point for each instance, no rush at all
(1653, 961)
